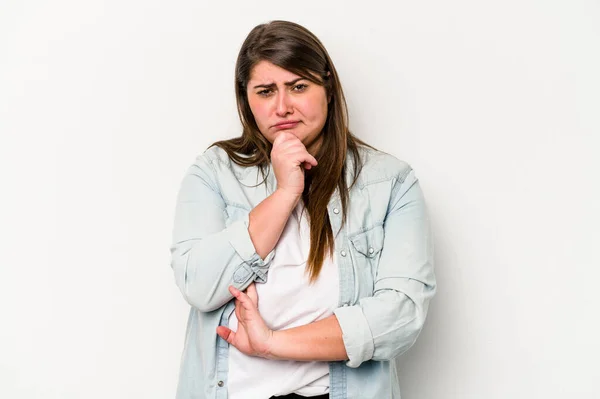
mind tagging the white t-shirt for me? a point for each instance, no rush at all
(287, 300)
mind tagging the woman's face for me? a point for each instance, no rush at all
(283, 101)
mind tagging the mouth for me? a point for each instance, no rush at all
(286, 125)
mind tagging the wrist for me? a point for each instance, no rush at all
(288, 197)
(274, 347)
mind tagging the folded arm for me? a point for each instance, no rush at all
(206, 255)
(382, 326)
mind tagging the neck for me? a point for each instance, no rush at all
(313, 148)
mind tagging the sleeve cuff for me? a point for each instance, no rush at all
(356, 334)
(252, 265)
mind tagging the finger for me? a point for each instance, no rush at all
(238, 310)
(310, 159)
(288, 144)
(305, 158)
(234, 291)
(226, 334)
(284, 149)
(238, 307)
(244, 299)
(283, 137)
(252, 293)
(301, 155)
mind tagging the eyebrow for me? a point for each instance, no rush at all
(273, 84)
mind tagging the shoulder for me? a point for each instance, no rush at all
(204, 168)
(379, 166)
(213, 155)
(215, 161)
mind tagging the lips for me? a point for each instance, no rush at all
(286, 125)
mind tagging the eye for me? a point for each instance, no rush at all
(300, 87)
(264, 93)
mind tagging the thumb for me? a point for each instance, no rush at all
(225, 333)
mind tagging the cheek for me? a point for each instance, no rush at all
(260, 112)
(315, 108)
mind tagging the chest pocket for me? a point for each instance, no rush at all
(367, 247)
(369, 243)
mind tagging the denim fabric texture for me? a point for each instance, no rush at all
(385, 260)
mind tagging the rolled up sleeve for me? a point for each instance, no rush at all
(385, 325)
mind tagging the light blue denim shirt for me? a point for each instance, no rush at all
(385, 260)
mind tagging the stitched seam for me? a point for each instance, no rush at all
(365, 229)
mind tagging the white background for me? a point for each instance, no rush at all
(104, 104)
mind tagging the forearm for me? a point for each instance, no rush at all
(207, 253)
(268, 219)
(205, 268)
(320, 340)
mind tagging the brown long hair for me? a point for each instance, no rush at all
(292, 47)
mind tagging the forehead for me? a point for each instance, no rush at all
(266, 72)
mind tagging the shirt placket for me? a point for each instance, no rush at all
(337, 372)
(222, 369)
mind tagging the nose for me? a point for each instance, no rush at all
(284, 104)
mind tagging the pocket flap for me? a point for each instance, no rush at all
(370, 242)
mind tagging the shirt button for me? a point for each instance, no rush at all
(336, 211)
(371, 250)
(220, 383)
(343, 253)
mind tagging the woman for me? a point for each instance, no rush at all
(305, 254)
